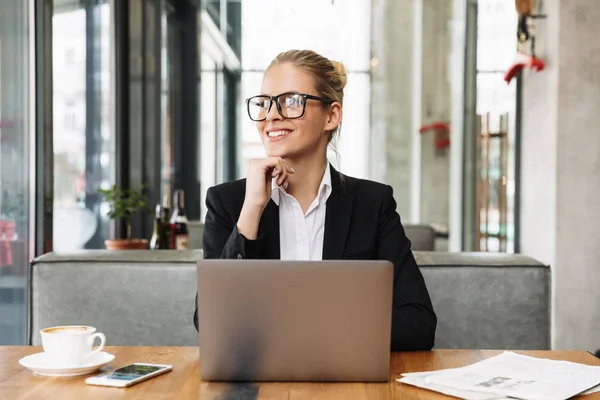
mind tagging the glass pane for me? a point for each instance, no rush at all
(208, 126)
(340, 30)
(494, 95)
(213, 7)
(250, 143)
(497, 98)
(83, 138)
(352, 145)
(234, 26)
(15, 129)
(496, 35)
(496, 49)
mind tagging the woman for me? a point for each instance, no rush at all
(294, 205)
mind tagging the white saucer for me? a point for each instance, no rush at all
(43, 364)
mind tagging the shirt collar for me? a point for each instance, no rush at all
(324, 186)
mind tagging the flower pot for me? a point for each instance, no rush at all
(126, 244)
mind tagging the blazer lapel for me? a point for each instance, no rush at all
(337, 217)
(269, 227)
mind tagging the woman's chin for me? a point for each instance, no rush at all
(277, 154)
(277, 151)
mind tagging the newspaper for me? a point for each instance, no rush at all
(514, 375)
(595, 389)
(419, 379)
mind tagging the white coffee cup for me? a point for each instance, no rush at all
(71, 344)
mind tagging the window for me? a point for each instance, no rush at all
(234, 25)
(70, 57)
(15, 139)
(213, 8)
(208, 125)
(69, 122)
(83, 139)
(496, 108)
(219, 101)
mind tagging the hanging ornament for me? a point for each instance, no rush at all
(525, 33)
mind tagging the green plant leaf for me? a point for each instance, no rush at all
(126, 203)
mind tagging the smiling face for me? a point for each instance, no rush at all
(293, 138)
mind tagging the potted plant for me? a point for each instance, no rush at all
(123, 205)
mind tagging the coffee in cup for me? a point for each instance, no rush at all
(71, 344)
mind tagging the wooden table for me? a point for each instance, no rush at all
(184, 381)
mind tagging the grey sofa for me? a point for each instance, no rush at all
(147, 297)
(134, 297)
(196, 230)
(488, 300)
(422, 237)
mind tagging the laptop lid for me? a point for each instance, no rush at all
(272, 320)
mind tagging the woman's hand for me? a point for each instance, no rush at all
(258, 191)
(258, 180)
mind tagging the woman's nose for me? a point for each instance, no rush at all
(273, 113)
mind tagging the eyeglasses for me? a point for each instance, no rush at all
(289, 105)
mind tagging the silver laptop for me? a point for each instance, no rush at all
(271, 320)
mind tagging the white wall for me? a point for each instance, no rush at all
(392, 99)
(560, 217)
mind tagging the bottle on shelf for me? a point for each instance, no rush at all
(166, 221)
(159, 241)
(166, 205)
(179, 222)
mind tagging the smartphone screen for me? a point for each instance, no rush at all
(131, 372)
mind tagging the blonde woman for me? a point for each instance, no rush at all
(294, 205)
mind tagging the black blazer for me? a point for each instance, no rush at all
(361, 223)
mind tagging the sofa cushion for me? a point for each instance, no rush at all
(146, 297)
(488, 300)
(422, 237)
(135, 297)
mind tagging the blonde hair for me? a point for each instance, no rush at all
(329, 76)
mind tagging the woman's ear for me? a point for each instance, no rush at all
(334, 117)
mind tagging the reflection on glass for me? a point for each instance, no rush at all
(496, 101)
(83, 142)
(14, 172)
(213, 7)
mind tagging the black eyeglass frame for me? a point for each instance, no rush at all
(275, 99)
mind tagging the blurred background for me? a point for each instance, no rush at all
(95, 93)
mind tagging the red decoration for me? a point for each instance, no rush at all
(521, 61)
(441, 131)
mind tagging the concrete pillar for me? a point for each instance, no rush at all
(409, 87)
(435, 106)
(560, 213)
(391, 101)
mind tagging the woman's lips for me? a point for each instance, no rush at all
(278, 135)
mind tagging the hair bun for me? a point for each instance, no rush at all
(341, 73)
